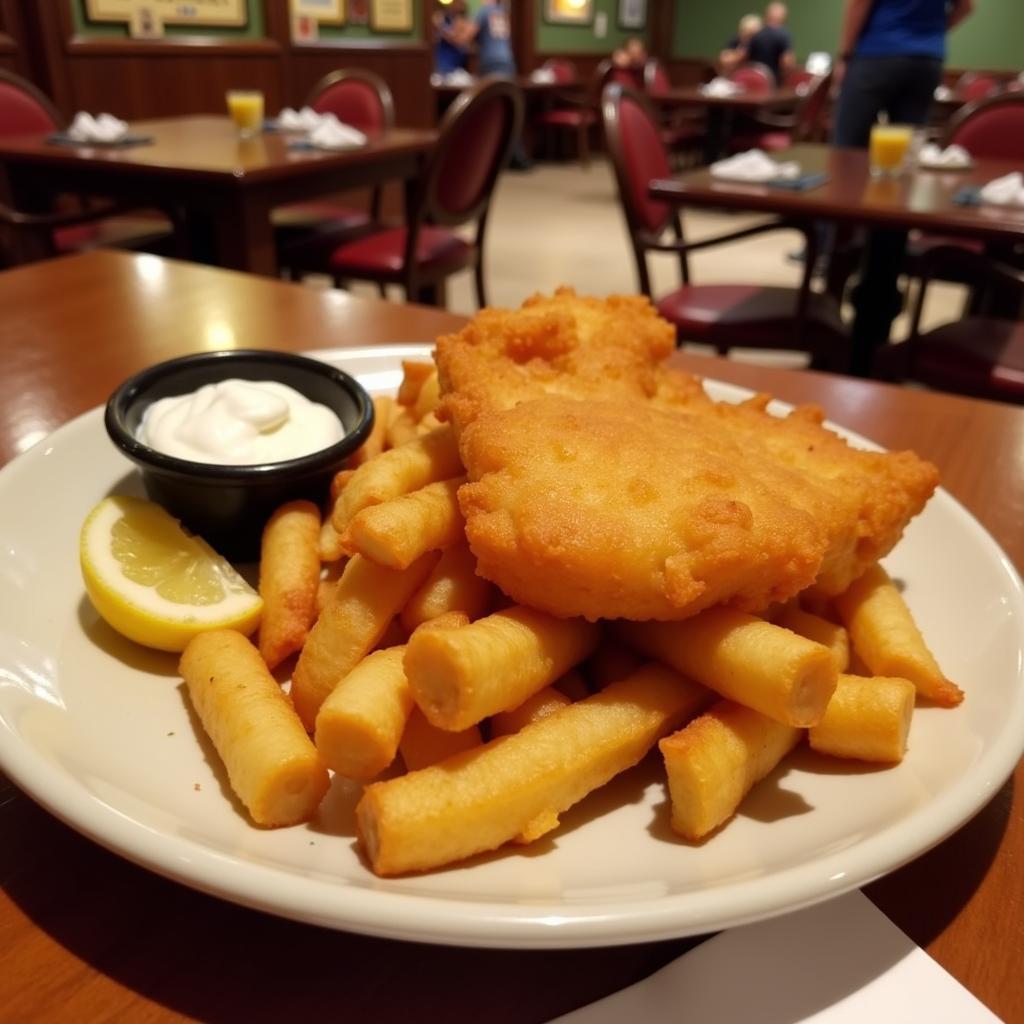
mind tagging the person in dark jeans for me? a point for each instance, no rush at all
(890, 61)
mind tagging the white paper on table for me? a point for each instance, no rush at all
(952, 156)
(304, 120)
(755, 165)
(102, 128)
(841, 962)
(1005, 191)
(721, 87)
(334, 134)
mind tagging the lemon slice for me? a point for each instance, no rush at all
(156, 584)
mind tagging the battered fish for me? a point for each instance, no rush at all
(604, 485)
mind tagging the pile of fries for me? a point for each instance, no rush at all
(503, 716)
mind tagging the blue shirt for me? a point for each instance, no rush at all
(447, 56)
(492, 40)
(904, 28)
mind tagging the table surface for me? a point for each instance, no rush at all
(918, 199)
(88, 936)
(692, 95)
(208, 147)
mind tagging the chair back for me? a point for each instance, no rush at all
(800, 76)
(24, 109)
(656, 78)
(564, 70)
(638, 156)
(474, 142)
(992, 128)
(754, 77)
(810, 114)
(356, 97)
(974, 85)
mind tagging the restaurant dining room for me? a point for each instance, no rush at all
(511, 510)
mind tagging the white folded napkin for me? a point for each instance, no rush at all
(104, 128)
(460, 76)
(543, 76)
(330, 133)
(721, 87)
(818, 63)
(304, 120)
(932, 155)
(943, 92)
(1005, 191)
(755, 165)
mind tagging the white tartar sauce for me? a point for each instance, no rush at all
(239, 423)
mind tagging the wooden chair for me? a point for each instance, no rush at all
(568, 113)
(972, 86)
(775, 132)
(753, 77)
(83, 224)
(723, 315)
(981, 356)
(681, 131)
(475, 140)
(363, 100)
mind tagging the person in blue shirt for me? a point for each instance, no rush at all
(449, 55)
(890, 61)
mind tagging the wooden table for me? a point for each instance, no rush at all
(85, 936)
(921, 199)
(723, 110)
(226, 185)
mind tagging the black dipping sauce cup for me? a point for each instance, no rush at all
(229, 505)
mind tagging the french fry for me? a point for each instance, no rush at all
(887, 639)
(543, 703)
(367, 598)
(752, 662)
(338, 482)
(459, 677)
(515, 787)
(424, 744)
(362, 720)
(414, 374)
(272, 766)
(820, 630)
(289, 576)
(383, 406)
(422, 461)
(397, 532)
(452, 585)
(867, 719)
(402, 429)
(713, 762)
(428, 398)
(428, 423)
(329, 543)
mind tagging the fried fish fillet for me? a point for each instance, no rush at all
(605, 485)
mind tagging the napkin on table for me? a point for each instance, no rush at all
(755, 165)
(330, 133)
(304, 120)
(721, 87)
(943, 92)
(543, 76)
(1005, 191)
(841, 962)
(103, 128)
(932, 155)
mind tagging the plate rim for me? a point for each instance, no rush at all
(482, 923)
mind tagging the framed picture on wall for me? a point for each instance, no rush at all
(331, 12)
(359, 12)
(391, 15)
(569, 12)
(234, 13)
(633, 14)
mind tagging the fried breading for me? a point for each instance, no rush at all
(605, 485)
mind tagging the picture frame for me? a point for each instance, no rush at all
(324, 12)
(358, 12)
(199, 13)
(392, 16)
(632, 15)
(569, 12)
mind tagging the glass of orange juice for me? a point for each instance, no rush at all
(246, 109)
(890, 145)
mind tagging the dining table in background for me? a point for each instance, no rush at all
(920, 199)
(227, 186)
(89, 936)
(722, 111)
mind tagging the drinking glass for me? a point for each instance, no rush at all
(890, 145)
(246, 109)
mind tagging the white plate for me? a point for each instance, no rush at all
(98, 731)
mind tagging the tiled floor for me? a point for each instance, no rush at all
(559, 224)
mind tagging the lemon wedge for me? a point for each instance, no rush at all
(156, 584)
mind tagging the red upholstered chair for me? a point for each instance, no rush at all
(775, 132)
(568, 113)
(475, 140)
(724, 315)
(977, 355)
(753, 77)
(25, 110)
(363, 100)
(681, 131)
(975, 85)
(796, 77)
